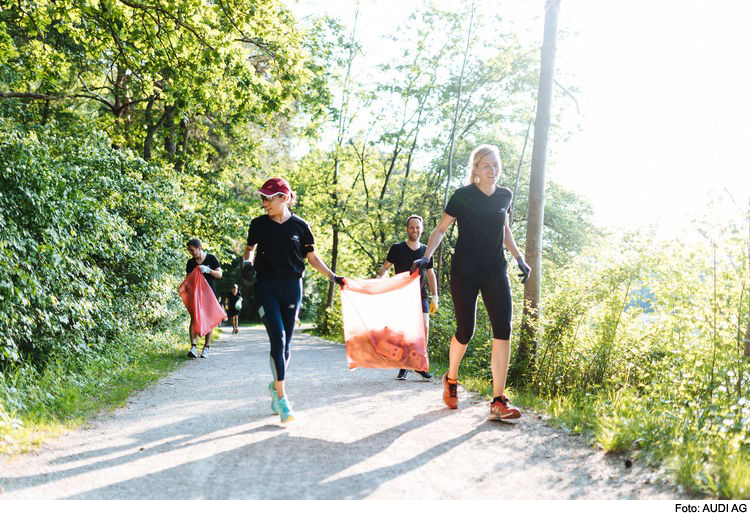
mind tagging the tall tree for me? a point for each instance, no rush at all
(535, 222)
(341, 131)
(452, 144)
(187, 75)
(747, 331)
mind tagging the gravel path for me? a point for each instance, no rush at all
(206, 432)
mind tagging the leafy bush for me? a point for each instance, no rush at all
(667, 377)
(91, 254)
(91, 243)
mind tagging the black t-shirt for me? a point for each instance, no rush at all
(282, 248)
(232, 300)
(402, 257)
(210, 261)
(481, 228)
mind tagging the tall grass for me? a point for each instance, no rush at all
(641, 348)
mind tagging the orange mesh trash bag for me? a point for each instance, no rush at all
(383, 323)
(200, 302)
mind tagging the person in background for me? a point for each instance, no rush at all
(278, 243)
(232, 312)
(212, 271)
(478, 265)
(401, 256)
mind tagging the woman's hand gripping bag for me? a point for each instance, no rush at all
(201, 303)
(384, 324)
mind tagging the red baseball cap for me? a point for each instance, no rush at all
(275, 186)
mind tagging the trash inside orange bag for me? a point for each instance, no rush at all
(384, 324)
(201, 303)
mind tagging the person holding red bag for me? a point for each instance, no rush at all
(211, 269)
(278, 243)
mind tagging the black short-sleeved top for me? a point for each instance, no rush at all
(282, 248)
(481, 228)
(232, 300)
(210, 261)
(402, 257)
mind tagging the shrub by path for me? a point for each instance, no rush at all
(206, 431)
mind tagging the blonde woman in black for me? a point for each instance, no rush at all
(479, 265)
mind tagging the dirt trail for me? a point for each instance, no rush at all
(206, 432)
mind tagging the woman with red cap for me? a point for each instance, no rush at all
(278, 243)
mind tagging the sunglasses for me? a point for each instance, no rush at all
(264, 198)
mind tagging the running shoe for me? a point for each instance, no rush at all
(500, 409)
(450, 392)
(402, 374)
(285, 409)
(426, 376)
(193, 354)
(204, 352)
(274, 399)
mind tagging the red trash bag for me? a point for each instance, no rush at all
(200, 302)
(383, 323)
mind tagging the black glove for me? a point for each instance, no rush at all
(335, 278)
(525, 269)
(419, 264)
(248, 271)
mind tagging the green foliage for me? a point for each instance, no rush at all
(90, 245)
(330, 323)
(175, 79)
(360, 189)
(672, 381)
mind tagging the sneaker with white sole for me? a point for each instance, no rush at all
(193, 354)
(205, 351)
(285, 410)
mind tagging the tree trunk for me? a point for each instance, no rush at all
(747, 331)
(184, 134)
(150, 129)
(339, 142)
(453, 133)
(170, 134)
(335, 244)
(409, 158)
(518, 171)
(334, 261)
(533, 287)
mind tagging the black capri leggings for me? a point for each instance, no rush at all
(279, 301)
(496, 296)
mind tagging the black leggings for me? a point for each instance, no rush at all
(496, 296)
(278, 301)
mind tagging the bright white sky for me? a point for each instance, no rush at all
(664, 87)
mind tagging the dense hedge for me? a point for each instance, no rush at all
(91, 239)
